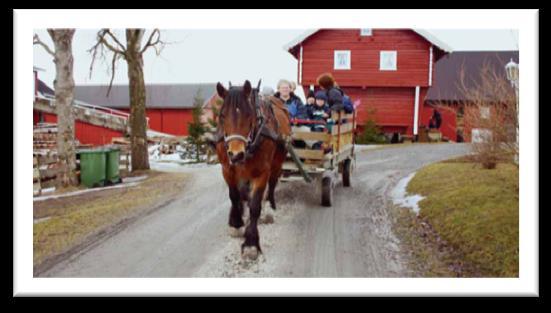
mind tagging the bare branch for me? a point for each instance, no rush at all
(157, 44)
(112, 73)
(108, 32)
(94, 51)
(101, 39)
(37, 41)
(102, 43)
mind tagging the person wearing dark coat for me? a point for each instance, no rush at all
(334, 94)
(294, 104)
(437, 119)
(310, 102)
(320, 111)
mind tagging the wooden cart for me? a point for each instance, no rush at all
(317, 165)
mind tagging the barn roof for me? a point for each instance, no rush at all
(446, 81)
(168, 96)
(423, 33)
(44, 89)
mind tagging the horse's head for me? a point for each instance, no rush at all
(237, 119)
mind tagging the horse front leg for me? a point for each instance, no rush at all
(236, 223)
(251, 247)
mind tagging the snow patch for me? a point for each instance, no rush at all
(400, 196)
(74, 193)
(360, 148)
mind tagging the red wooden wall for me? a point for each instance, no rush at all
(170, 121)
(412, 57)
(449, 120)
(390, 94)
(390, 107)
(88, 133)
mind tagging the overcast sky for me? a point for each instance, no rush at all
(206, 56)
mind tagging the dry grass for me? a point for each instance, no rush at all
(475, 211)
(73, 220)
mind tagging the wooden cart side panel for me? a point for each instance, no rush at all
(344, 128)
(310, 154)
(335, 116)
(345, 140)
(324, 137)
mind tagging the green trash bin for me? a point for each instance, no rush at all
(92, 167)
(112, 173)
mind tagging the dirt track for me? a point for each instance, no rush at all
(189, 237)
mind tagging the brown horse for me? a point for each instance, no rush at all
(250, 144)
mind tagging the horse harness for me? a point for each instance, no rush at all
(260, 130)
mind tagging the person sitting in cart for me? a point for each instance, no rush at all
(320, 112)
(294, 104)
(337, 100)
(310, 102)
(319, 115)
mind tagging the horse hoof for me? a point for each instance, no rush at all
(267, 219)
(250, 253)
(267, 216)
(237, 232)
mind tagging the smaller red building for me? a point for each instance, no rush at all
(168, 106)
(446, 95)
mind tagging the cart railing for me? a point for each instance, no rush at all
(339, 138)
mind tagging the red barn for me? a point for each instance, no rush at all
(168, 106)
(389, 70)
(446, 95)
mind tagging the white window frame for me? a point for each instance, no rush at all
(485, 112)
(382, 56)
(481, 135)
(366, 31)
(336, 66)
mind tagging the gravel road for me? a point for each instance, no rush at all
(189, 237)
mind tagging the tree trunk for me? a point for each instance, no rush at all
(138, 121)
(64, 95)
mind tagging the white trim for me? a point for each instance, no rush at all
(430, 66)
(348, 53)
(416, 114)
(364, 33)
(299, 39)
(435, 41)
(423, 33)
(300, 67)
(393, 53)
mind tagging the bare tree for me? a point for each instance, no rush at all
(132, 52)
(491, 108)
(64, 95)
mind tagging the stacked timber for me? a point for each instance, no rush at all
(45, 136)
(123, 144)
(45, 170)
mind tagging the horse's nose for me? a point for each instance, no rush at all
(236, 157)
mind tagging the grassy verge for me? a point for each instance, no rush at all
(469, 214)
(73, 220)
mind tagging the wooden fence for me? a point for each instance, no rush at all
(46, 168)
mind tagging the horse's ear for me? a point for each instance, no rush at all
(247, 88)
(222, 92)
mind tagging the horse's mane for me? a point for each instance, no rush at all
(235, 100)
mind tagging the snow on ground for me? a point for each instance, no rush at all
(174, 166)
(400, 196)
(127, 182)
(153, 133)
(360, 148)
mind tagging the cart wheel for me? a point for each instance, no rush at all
(326, 191)
(346, 167)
